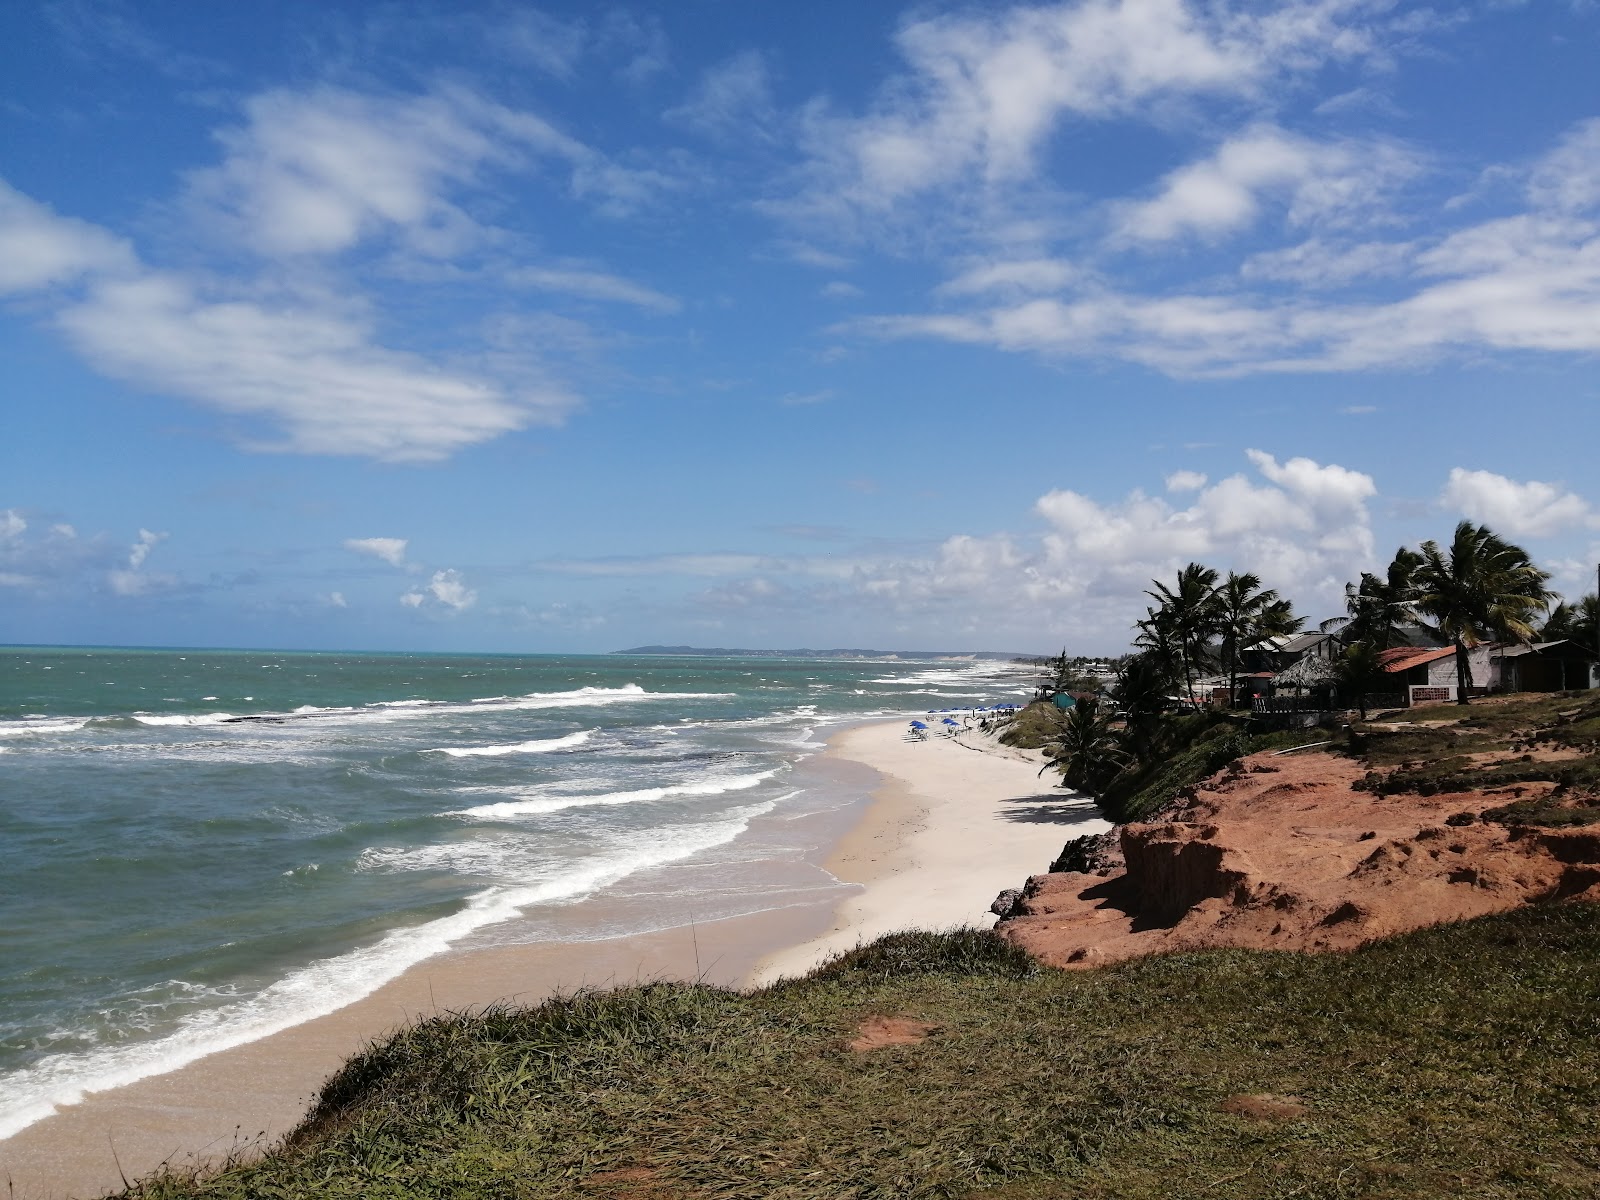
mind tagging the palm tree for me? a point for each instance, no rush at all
(1573, 622)
(1090, 749)
(1484, 588)
(1141, 691)
(1247, 614)
(1189, 613)
(1360, 672)
(1380, 609)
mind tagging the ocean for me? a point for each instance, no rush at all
(199, 848)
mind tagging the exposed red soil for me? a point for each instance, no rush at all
(1264, 1106)
(877, 1032)
(1280, 852)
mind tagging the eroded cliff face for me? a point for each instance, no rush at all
(1284, 852)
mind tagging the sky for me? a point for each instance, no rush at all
(564, 328)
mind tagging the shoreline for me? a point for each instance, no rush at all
(954, 822)
(939, 828)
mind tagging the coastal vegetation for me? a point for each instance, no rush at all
(1457, 1061)
(1153, 735)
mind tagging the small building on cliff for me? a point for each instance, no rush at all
(1545, 667)
(1424, 674)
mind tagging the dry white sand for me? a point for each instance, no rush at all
(949, 825)
(956, 821)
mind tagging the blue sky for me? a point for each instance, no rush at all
(500, 327)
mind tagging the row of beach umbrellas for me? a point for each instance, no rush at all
(950, 721)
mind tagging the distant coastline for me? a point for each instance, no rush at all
(725, 652)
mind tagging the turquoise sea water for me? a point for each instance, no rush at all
(198, 848)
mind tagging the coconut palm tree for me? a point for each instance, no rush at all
(1091, 751)
(1360, 672)
(1380, 608)
(1188, 612)
(1141, 691)
(1573, 622)
(1246, 614)
(1483, 588)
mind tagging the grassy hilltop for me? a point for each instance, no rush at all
(1458, 1061)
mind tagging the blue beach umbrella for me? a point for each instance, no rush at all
(918, 725)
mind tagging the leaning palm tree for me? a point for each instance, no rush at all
(1482, 589)
(1189, 611)
(1157, 640)
(1246, 614)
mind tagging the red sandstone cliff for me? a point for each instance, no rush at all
(1282, 852)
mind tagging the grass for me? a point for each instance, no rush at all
(1461, 1061)
(1490, 745)
(1035, 726)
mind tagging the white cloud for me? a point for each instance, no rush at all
(446, 588)
(337, 600)
(306, 366)
(594, 285)
(314, 172)
(1531, 509)
(1185, 481)
(1223, 193)
(390, 550)
(449, 589)
(984, 90)
(39, 248)
(56, 560)
(141, 548)
(1303, 526)
(732, 100)
(134, 580)
(1026, 276)
(839, 289)
(1568, 178)
(1527, 283)
(1317, 263)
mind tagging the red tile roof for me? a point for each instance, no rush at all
(1403, 658)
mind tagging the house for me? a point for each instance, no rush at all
(1428, 673)
(1545, 667)
(1279, 653)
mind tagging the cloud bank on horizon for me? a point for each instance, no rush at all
(668, 330)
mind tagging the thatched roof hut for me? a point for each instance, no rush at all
(1309, 672)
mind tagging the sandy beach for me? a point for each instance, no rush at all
(955, 821)
(944, 825)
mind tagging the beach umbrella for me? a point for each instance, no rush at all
(918, 725)
(948, 721)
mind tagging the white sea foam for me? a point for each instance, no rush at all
(536, 747)
(544, 803)
(26, 727)
(183, 719)
(36, 1092)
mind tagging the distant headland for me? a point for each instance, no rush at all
(725, 652)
